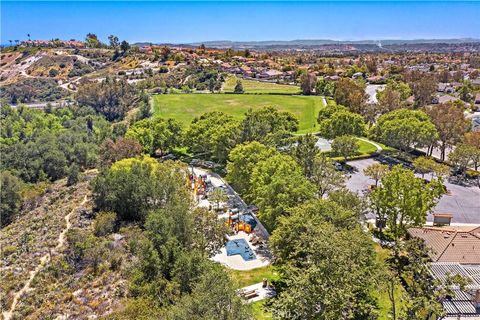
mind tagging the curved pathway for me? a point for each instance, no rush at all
(379, 147)
(43, 261)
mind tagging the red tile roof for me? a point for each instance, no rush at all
(451, 244)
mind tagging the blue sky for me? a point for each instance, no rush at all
(195, 21)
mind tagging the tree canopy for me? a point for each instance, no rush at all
(324, 273)
(278, 184)
(214, 133)
(404, 200)
(405, 129)
(335, 121)
(156, 134)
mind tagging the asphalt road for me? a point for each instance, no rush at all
(463, 202)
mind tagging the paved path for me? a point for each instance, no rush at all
(43, 261)
(43, 105)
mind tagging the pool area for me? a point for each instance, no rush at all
(240, 247)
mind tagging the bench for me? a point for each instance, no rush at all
(250, 294)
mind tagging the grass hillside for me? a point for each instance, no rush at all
(185, 107)
(252, 86)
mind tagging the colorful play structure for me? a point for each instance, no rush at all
(241, 222)
(198, 184)
(245, 222)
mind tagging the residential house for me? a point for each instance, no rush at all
(270, 74)
(455, 251)
(445, 87)
(451, 244)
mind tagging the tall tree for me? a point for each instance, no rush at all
(351, 94)
(305, 151)
(213, 297)
(92, 41)
(424, 165)
(122, 148)
(463, 156)
(342, 123)
(114, 42)
(238, 87)
(11, 199)
(242, 160)
(376, 172)
(345, 146)
(156, 134)
(124, 46)
(133, 187)
(213, 134)
(423, 87)
(308, 82)
(404, 200)
(450, 123)
(278, 184)
(259, 124)
(325, 177)
(323, 274)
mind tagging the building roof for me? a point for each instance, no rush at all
(451, 244)
(461, 302)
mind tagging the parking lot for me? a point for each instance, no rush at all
(463, 202)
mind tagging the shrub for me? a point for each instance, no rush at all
(8, 250)
(53, 73)
(104, 223)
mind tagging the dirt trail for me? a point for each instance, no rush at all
(43, 261)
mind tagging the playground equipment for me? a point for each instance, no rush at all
(238, 223)
(198, 184)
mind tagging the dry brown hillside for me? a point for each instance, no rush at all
(39, 279)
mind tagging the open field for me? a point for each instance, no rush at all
(185, 107)
(252, 86)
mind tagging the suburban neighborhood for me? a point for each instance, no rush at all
(149, 170)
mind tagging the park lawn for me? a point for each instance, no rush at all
(366, 147)
(185, 107)
(252, 86)
(259, 312)
(246, 278)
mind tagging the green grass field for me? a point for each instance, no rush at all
(185, 107)
(252, 86)
(246, 278)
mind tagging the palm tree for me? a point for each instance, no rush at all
(28, 35)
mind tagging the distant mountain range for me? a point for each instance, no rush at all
(314, 43)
